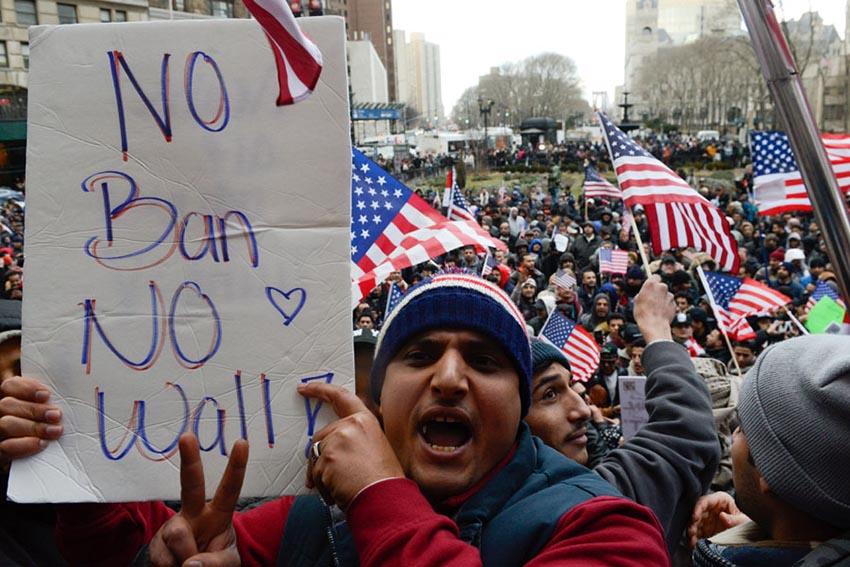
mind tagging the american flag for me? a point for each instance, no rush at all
(777, 182)
(393, 299)
(392, 228)
(677, 215)
(581, 350)
(694, 348)
(613, 261)
(298, 60)
(597, 186)
(735, 299)
(822, 289)
(564, 280)
(458, 208)
(490, 264)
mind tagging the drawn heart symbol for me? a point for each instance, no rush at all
(275, 296)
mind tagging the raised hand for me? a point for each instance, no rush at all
(202, 532)
(353, 451)
(654, 309)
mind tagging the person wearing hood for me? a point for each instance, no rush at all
(585, 245)
(606, 218)
(517, 223)
(634, 281)
(597, 317)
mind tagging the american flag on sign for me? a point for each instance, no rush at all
(564, 280)
(392, 228)
(677, 215)
(822, 289)
(581, 350)
(393, 299)
(734, 299)
(613, 261)
(777, 182)
(298, 60)
(597, 186)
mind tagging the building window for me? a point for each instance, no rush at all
(25, 53)
(120, 15)
(833, 112)
(222, 8)
(4, 58)
(67, 13)
(105, 15)
(25, 10)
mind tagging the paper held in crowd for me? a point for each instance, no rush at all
(187, 254)
(633, 414)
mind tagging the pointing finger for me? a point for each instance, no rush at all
(344, 402)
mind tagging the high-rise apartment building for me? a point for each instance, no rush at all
(418, 76)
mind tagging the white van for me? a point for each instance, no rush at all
(708, 135)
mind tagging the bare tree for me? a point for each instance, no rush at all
(542, 85)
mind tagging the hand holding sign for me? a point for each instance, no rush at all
(202, 531)
(354, 452)
(27, 421)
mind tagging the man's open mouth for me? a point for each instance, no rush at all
(445, 433)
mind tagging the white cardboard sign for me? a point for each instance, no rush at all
(632, 404)
(187, 254)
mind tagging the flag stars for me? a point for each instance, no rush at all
(385, 193)
(364, 234)
(388, 206)
(358, 191)
(355, 177)
(360, 205)
(364, 168)
(362, 219)
(397, 193)
(372, 192)
(382, 180)
(376, 219)
(375, 205)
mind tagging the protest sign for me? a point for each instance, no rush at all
(632, 404)
(187, 254)
(826, 314)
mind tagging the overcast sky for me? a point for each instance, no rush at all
(475, 35)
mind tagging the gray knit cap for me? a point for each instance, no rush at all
(795, 413)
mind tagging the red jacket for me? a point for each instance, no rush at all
(385, 532)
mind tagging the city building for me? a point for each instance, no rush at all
(372, 20)
(17, 16)
(822, 60)
(419, 82)
(652, 25)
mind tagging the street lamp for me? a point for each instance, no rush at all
(484, 108)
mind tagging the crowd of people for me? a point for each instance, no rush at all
(471, 441)
(12, 249)
(677, 151)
